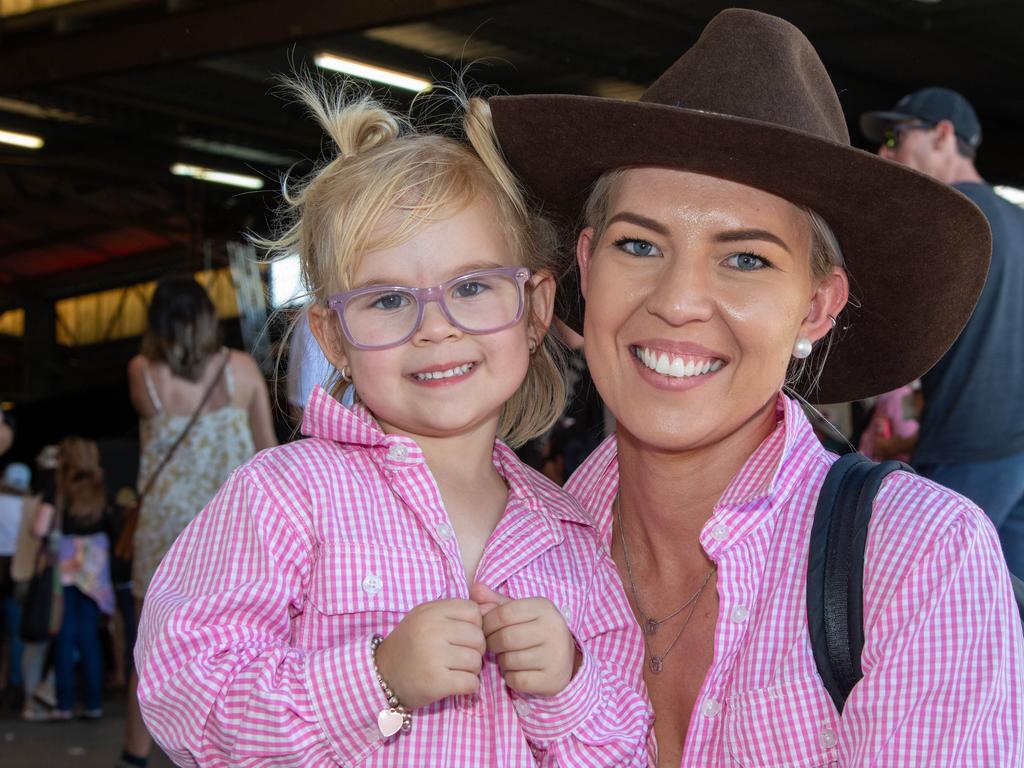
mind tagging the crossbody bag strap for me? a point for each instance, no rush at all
(835, 569)
(188, 427)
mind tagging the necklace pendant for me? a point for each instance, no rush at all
(656, 664)
(651, 627)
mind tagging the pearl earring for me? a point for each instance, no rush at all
(802, 348)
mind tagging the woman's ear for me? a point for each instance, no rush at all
(830, 296)
(584, 253)
(323, 323)
(542, 303)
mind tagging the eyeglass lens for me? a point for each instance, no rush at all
(477, 304)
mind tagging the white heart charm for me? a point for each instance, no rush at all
(389, 722)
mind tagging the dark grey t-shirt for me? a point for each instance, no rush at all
(974, 396)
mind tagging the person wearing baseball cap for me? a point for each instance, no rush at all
(971, 437)
(727, 221)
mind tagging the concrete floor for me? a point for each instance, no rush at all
(76, 743)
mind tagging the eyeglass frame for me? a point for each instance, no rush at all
(424, 296)
(892, 138)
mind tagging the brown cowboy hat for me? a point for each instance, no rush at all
(751, 102)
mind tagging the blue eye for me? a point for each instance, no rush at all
(747, 262)
(469, 289)
(635, 246)
(390, 301)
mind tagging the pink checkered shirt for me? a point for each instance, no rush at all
(943, 653)
(254, 647)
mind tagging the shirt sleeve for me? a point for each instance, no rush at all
(944, 652)
(219, 681)
(603, 717)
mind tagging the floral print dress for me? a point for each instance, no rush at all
(220, 441)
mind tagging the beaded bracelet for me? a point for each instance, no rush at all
(395, 717)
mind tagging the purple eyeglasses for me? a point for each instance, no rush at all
(382, 316)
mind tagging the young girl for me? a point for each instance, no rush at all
(399, 589)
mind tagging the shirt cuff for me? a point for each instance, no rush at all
(347, 698)
(549, 718)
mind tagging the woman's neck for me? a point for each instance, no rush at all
(667, 497)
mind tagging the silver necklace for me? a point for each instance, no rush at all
(649, 624)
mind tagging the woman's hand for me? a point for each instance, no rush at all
(534, 647)
(436, 651)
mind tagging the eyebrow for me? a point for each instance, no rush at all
(639, 220)
(737, 235)
(462, 269)
(731, 236)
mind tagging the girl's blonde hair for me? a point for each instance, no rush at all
(385, 181)
(81, 492)
(825, 254)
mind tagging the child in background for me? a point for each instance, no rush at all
(84, 564)
(399, 589)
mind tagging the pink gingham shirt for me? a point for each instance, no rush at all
(254, 647)
(943, 651)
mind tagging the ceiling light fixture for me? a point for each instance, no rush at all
(369, 72)
(26, 140)
(217, 177)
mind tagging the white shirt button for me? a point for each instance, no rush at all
(710, 708)
(739, 613)
(566, 613)
(828, 738)
(522, 707)
(720, 532)
(372, 584)
(397, 452)
(445, 531)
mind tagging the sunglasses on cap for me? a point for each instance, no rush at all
(892, 137)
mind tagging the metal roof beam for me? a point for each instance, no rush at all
(198, 32)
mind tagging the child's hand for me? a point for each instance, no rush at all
(436, 651)
(535, 650)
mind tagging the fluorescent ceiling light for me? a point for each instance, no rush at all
(370, 72)
(1013, 194)
(21, 139)
(218, 177)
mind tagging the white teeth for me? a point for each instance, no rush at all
(676, 367)
(457, 371)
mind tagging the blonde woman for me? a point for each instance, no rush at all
(727, 221)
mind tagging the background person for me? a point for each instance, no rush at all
(182, 372)
(727, 217)
(972, 430)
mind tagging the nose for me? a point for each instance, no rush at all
(435, 325)
(683, 292)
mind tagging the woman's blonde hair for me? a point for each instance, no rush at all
(385, 181)
(81, 492)
(825, 254)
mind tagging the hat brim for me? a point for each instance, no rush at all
(917, 251)
(874, 124)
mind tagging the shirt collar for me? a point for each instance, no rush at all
(326, 418)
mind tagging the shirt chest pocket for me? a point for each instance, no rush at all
(793, 725)
(567, 598)
(352, 580)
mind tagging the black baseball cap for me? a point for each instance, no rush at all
(931, 105)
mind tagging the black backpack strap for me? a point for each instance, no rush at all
(835, 569)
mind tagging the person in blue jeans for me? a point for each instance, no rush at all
(84, 563)
(972, 429)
